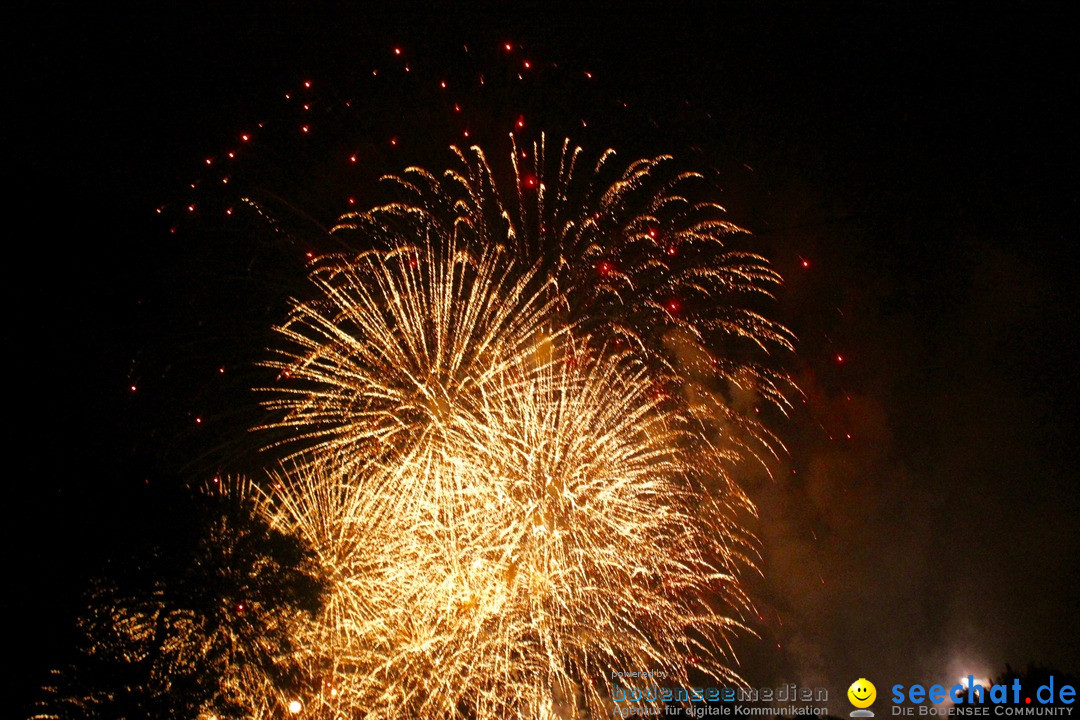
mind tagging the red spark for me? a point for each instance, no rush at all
(307, 84)
(806, 263)
(304, 128)
(508, 47)
(352, 158)
(245, 137)
(397, 51)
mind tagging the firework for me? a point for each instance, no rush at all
(506, 512)
(398, 342)
(641, 258)
(526, 551)
(508, 434)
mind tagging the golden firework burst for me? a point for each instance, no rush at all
(506, 514)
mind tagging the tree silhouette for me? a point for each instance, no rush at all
(178, 630)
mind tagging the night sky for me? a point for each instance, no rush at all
(912, 172)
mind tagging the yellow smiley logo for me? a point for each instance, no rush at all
(862, 693)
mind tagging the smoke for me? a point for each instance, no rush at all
(922, 528)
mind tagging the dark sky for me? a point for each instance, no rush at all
(923, 161)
